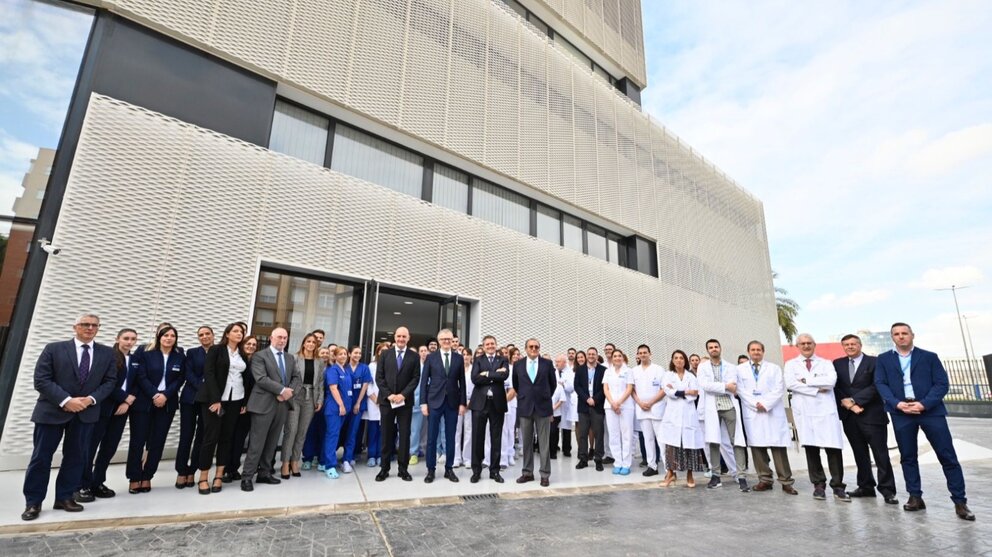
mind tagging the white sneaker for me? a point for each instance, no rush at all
(346, 467)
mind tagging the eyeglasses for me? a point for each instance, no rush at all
(445, 340)
(88, 325)
(533, 346)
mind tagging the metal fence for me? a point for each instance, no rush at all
(969, 381)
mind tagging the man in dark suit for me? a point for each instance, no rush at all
(913, 383)
(534, 382)
(489, 373)
(442, 396)
(589, 392)
(396, 375)
(276, 381)
(863, 416)
(72, 378)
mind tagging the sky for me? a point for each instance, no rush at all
(865, 128)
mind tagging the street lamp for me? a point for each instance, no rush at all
(954, 293)
(967, 329)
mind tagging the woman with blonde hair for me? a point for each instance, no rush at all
(303, 405)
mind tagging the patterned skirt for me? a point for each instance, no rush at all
(678, 459)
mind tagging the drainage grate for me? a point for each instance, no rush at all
(480, 497)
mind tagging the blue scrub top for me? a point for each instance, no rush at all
(359, 376)
(334, 375)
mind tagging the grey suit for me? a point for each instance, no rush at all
(268, 415)
(301, 410)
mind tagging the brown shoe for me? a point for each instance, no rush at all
(963, 512)
(762, 486)
(524, 478)
(790, 490)
(914, 504)
(545, 483)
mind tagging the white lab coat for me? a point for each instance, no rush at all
(647, 382)
(569, 410)
(709, 387)
(680, 427)
(814, 411)
(764, 429)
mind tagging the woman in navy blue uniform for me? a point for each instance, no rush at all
(190, 412)
(158, 375)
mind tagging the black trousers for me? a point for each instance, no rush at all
(190, 438)
(835, 462)
(148, 432)
(595, 422)
(566, 441)
(107, 433)
(242, 427)
(489, 414)
(555, 421)
(396, 421)
(218, 432)
(875, 437)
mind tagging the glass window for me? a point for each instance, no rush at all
(541, 26)
(598, 70)
(647, 256)
(576, 53)
(503, 207)
(573, 233)
(549, 224)
(299, 133)
(613, 248)
(289, 307)
(597, 242)
(450, 188)
(363, 156)
(515, 6)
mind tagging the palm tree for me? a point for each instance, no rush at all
(788, 309)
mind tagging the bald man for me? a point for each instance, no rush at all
(397, 375)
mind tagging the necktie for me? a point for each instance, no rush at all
(447, 364)
(755, 368)
(490, 361)
(399, 359)
(532, 370)
(84, 364)
(282, 367)
(851, 369)
(809, 364)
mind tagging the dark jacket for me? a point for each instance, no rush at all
(534, 398)
(496, 375)
(927, 374)
(217, 365)
(582, 389)
(56, 378)
(397, 381)
(436, 387)
(147, 373)
(862, 390)
(193, 374)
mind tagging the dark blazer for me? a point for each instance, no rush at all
(118, 395)
(929, 378)
(55, 379)
(193, 374)
(268, 381)
(393, 381)
(862, 390)
(582, 389)
(534, 398)
(493, 382)
(436, 387)
(147, 375)
(217, 365)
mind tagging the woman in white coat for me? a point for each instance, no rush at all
(618, 386)
(680, 428)
(569, 410)
(463, 429)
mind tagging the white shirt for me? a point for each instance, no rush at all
(79, 357)
(165, 370)
(127, 366)
(618, 381)
(235, 388)
(648, 381)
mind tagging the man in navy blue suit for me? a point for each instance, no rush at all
(73, 377)
(913, 382)
(442, 396)
(534, 383)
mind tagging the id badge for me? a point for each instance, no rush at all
(357, 386)
(656, 383)
(756, 392)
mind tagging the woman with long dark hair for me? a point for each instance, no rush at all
(158, 374)
(303, 405)
(222, 398)
(680, 429)
(190, 414)
(242, 426)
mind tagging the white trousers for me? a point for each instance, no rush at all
(621, 428)
(509, 427)
(463, 439)
(652, 434)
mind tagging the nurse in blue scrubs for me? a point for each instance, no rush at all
(337, 406)
(360, 379)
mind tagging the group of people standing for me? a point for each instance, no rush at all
(693, 415)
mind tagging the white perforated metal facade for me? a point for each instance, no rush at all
(463, 75)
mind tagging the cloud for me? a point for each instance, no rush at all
(945, 277)
(855, 299)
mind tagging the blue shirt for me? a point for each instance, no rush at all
(905, 362)
(334, 375)
(359, 376)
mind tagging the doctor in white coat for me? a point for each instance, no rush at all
(761, 386)
(814, 407)
(722, 423)
(649, 405)
(680, 428)
(569, 410)
(463, 429)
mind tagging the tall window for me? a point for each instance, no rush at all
(363, 156)
(503, 207)
(647, 256)
(573, 233)
(302, 304)
(549, 224)
(450, 188)
(597, 242)
(298, 133)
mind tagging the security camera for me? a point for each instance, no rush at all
(49, 248)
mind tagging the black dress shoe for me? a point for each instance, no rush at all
(545, 482)
(103, 492)
(429, 478)
(236, 476)
(226, 478)
(84, 496)
(246, 485)
(652, 472)
(582, 464)
(285, 476)
(145, 489)
(476, 476)
(963, 512)
(31, 512)
(496, 478)
(862, 492)
(381, 476)
(405, 476)
(890, 499)
(567, 454)
(297, 475)
(133, 490)
(914, 504)
(450, 475)
(599, 466)
(268, 480)
(609, 460)
(68, 505)
(204, 490)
